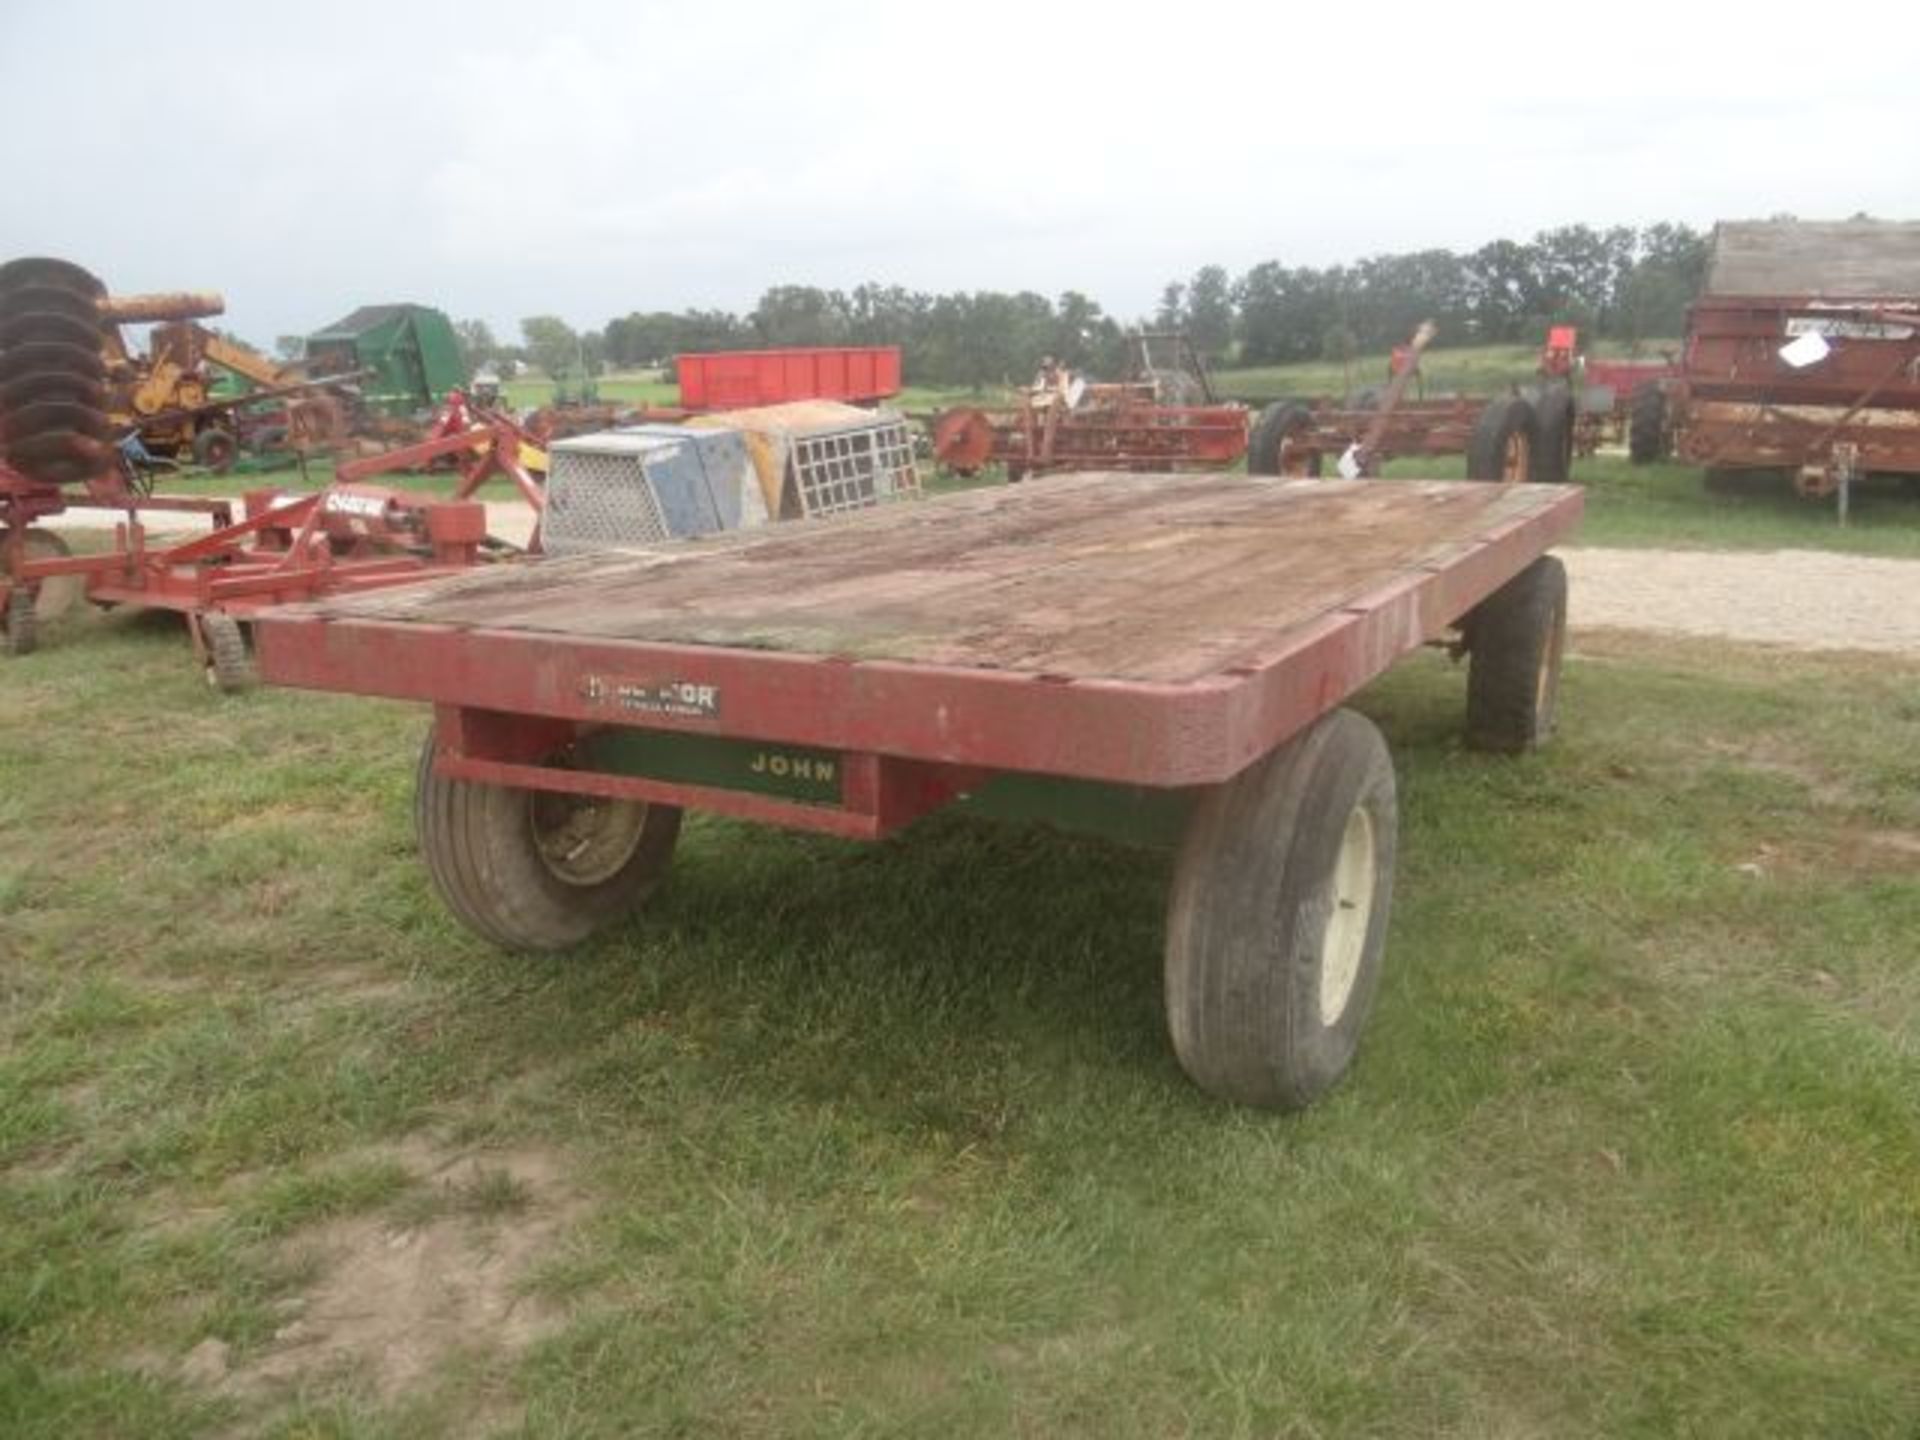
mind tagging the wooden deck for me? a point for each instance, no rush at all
(1142, 578)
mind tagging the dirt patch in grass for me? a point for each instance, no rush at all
(1768, 757)
(396, 1298)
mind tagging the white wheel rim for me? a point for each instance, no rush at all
(1549, 667)
(583, 840)
(1349, 915)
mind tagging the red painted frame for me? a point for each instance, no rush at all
(911, 736)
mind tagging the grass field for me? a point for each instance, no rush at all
(849, 1141)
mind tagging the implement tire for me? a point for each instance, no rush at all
(230, 667)
(1277, 917)
(1516, 640)
(536, 869)
(1505, 442)
(1554, 420)
(215, 450)
(19, 624)
(1647, 425)
(1277, 424)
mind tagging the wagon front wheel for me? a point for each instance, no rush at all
(537, 869)
(1277, 920)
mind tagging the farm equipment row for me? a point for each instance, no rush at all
(57, 449)
(1062, 423)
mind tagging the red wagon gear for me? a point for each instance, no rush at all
(1150, 656)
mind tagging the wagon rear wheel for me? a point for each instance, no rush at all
(1503, 441)
(1517, 638)
(537, 869)
(1278, 917)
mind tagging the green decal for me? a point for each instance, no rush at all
(790, 772)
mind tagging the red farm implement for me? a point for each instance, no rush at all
(1164, 417)
(1605, 391)
(1061, 424)
(1508, 438)
(58, 453)
(1114, 427)
(345, 538)
(1803, 355)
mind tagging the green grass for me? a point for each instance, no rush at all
(1669, 506)
(888, 1140)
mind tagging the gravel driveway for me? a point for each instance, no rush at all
(1805, 599)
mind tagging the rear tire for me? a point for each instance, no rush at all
(1267, 441)
(1647, 425)
(1517, 638)
(1554, 421)
(1505, 441)
(535, 869)
(215, 450)
(1277, 918)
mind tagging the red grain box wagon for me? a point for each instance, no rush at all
(1802, 354)
(743, 379)
(1157, 657)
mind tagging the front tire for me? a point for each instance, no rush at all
(1277, 919)
(1505, 440)
(537, 869)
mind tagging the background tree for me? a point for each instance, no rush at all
(551, 344)
(1210, 313)
(1172, 313)
(1613, 282)
(478, 348)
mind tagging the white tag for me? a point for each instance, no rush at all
(1349, 466)
(1808, 349)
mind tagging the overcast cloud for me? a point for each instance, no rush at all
(588, 160)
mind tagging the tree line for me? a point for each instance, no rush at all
(1619, 282)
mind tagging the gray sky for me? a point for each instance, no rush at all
(587, 160)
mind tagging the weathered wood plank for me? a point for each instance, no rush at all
(1137, 577)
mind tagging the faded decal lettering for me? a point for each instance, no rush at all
(681, 699)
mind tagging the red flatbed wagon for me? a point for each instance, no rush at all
(1147, 654)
